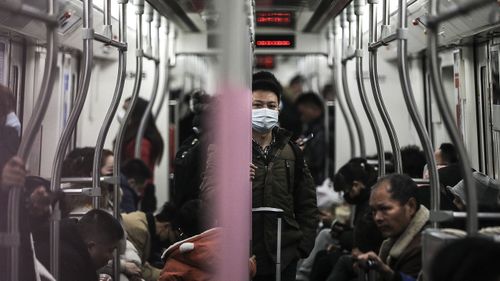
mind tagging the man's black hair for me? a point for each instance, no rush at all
(167, 213)
(401, 187)
(310, 98)
(357, 169)
(99, 226)
(448, 153)
(266, 81)
(297, 79)
(190, 219)
(136, 169)
(413, 160)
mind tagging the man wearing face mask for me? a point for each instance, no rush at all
(280, 179)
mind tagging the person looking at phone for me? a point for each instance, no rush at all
(355, 180)
(312, 115)
(401, 219)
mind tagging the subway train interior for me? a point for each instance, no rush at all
(371, 129)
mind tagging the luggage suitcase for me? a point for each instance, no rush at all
(279, 214)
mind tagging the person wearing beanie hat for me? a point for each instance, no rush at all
(280, 179)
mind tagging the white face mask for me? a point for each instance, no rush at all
(264, 119)
(120, 115)
(13, 121)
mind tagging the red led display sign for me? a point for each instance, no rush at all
(264, 62)
(275, 41)
(275, 19)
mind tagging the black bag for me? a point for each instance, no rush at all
(187, 171)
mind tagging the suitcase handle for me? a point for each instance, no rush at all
(279, 213)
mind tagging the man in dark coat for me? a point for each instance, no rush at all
(85, 245)
(281, 179)
(401, 219)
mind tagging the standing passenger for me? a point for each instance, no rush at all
(281, 179)
(289, 117)
(312, 113)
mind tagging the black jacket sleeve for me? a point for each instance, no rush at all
(305, 207)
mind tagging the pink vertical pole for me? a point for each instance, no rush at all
(233, 141)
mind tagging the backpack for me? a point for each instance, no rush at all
(187, 171)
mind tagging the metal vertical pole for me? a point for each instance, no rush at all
(412, 107)
(88, 43)
(391, 132)
(139, 53)
(108, 31)
(358, 10)
(440, 95)
(166, 73)
(115, 101)
(336, 88)
(122, 37)
(156, 59)
(233, 133)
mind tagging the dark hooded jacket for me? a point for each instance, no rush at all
(75, 263)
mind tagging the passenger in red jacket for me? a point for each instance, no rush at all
(195, 258)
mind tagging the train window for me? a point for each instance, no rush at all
(15, 85)
(3, 62)
(495, 79)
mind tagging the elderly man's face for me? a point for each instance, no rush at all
(390, 216)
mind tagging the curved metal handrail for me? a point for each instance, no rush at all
(166, 91)
(135, 93)
(336, 87)
(412, 107)
(347, 93)
(377, 93)
(439, 93)
(33, 126)
(115, 101)
(88, 42)
(358, 4)
(147, 113)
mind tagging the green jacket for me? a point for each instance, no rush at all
(282, 181)
(276, 185)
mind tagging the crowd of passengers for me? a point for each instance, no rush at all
(335, 226)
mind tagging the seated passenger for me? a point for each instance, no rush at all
(312, 111)
(447, 163)
(151, 234)
(195, 257)
(413, 161)
(467, 259)
(79, 163)
(487, 192)
(355, 180)
(85, 245)
(134, 177)
(401, 220)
